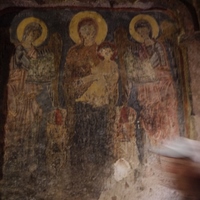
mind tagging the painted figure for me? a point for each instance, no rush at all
(30, 90)
(154, 83)
(22, 106)
(82, 57)
(57, 139)
(24, 113)
(104, 90)
(87, 115)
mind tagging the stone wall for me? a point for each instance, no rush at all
(88, 88)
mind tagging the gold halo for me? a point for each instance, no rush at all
(102, 25)
(22, 25)
(148, 18)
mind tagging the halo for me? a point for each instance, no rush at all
(148, 18)
(102, 25)
(22, 25)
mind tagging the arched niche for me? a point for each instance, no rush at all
(55, 158)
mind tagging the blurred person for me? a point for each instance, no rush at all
(180, 157)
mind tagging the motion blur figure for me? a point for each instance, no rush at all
(182, 160)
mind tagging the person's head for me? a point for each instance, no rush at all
(106, 51)
(143, 28)
(31, 33)
(87, 29)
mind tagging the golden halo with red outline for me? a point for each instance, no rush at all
(101, 23)
(148, 18)
(22, 25)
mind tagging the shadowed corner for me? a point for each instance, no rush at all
(6, 50)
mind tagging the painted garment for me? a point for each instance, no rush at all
(22, 105)
(104, 89)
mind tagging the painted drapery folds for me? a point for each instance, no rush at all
(85, 89)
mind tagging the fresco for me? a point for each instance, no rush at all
(86, 89)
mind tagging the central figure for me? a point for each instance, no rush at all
(87, 121)
(82, 57)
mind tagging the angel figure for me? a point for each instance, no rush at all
(22, 106)
(155, 87)
(32, 88)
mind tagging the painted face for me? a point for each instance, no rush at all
(30, 37)
(87, 31)
(144, 32)
(106, 53)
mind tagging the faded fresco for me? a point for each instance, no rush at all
(86, 89)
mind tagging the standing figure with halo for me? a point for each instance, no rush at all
(87, 123)
(151, 75)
